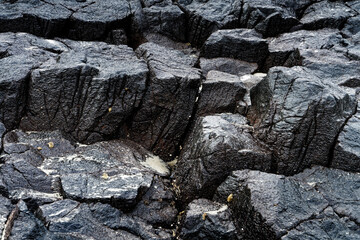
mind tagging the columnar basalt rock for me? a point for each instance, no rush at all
(300, 115)
(277, 207)
(218, 145)
(244, 99)
(160, 123)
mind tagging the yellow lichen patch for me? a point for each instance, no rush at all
(110, 109)
(50, 144)
(188, 44)
(126, 89)
(173, 233)
(105, 176)
(230, 197)
(39, 148)
(204, 216)
(181, 213)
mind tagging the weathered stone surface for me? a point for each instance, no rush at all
(227, 65)
(81, 20)
(168, 104)
(308, 204)
(168, 20)
(270, 17)
(214, 88)
(19, 53)
(347, 150)
(99, 85)
(97, 221)
(300, 116)
(326, 14)
(242, 44)
(205, 19)
(157, 206)
(217, 145)
(205, 219)
(284, 50)
(40, 166)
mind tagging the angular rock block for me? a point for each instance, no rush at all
(161, 121)
(269, 17)
(79, 20)
(285, 50)
(205, 219)
(204, 19)
(218, 145)
(242, 44)
(220, 93)
(168, 20)
(300, 116)
(89, 91)
(227, 65)
(326, 14)
(308, 205)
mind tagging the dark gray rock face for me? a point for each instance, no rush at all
(218, 145)
(80, 20)
(270, 17)
(205, 219)
(214, 88)
(40, 166)
(308, 205)
(168, 20)
(205, 18)
(168, 104)
(300, 115)
(242, 44)
(227, 65)
(99, 86)
(346, 153)
(97, 221)
(326, 14)
(285, 50)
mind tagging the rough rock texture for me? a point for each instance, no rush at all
(168, 105)
(308, 204)
(346, 153)
(300, 115)
(285, 50)
(205, 219)
(259, 87)
(216, 85)
(242, 44)
(204, 19)
(100, 88)
(227, 65)
(80, 20)
(326, 14)
(218, 145)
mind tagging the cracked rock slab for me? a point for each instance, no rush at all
(205, 219)
(214, 88)
(243, 44)
(300, 115)
(168, 104)
(80, 20)
(89, 91)
(227, 65)
(275, 206)
(326, 14)
(41, 165)
(218, 145)
(206, 18)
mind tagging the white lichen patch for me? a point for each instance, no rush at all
(156, 164)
